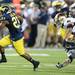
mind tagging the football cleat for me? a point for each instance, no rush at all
(59, 66)
(3, 60)
(35, 64)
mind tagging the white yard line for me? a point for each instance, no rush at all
(24, 65)
(51, 49)
(8, 66)
(15, 54)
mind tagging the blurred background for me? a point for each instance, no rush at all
(40, 24)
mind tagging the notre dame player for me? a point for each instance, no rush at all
(69, 42)
(15, 37)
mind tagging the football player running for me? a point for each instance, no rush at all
(9, 19)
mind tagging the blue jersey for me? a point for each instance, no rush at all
(54, 14)
(14, 26)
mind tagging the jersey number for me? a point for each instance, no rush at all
(16, 22)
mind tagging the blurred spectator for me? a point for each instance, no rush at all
(33, 14)
(42, 28)
(69, 2)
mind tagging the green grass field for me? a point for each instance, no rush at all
(48, 59)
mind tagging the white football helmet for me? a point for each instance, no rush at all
(69, 22)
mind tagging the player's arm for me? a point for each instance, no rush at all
(3, 24)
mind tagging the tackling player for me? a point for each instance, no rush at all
(69, 42)
(9, 19)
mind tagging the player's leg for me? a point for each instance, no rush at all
(65, 63)
(3, 57)
(71, 56)
(70, 51)
(19, 46)
(31, 60)
(3, 43)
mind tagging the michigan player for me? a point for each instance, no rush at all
(57, 30)
(69, 42)
(61, 14)
(52, 28)
(59, 19)
(9, 19)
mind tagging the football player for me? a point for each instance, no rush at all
(58, 32)
(59, 19)
(15, 37)
(69, 42)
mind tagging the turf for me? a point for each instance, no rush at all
(48, 59)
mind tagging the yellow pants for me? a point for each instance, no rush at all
(18, 45)
(52, 29)
(62, 32)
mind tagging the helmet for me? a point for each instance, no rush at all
(5, 8)
(60, 18)
(69, 22)
(56, 3)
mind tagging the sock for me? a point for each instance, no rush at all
(29, 58)
(2, 51)
(3, 55)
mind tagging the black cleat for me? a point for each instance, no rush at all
(3, 60)
(35, 64)
(59, 66)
